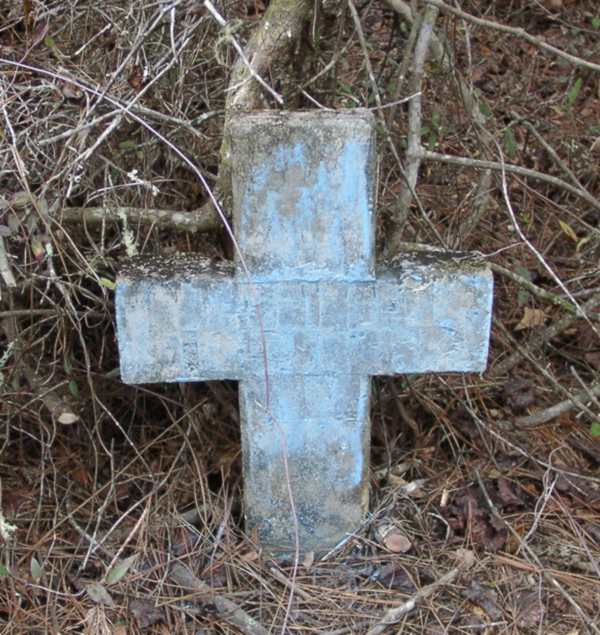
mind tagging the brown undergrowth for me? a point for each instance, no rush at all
(120, 506)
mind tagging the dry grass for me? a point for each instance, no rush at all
(99, 515)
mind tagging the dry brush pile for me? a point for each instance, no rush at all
(119, 505)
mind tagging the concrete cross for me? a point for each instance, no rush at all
(303, 214)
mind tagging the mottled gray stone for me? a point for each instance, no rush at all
(331, 319)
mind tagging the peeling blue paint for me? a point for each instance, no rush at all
(303, 217)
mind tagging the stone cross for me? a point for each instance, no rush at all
(329, 319)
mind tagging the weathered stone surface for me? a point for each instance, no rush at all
(331, 320)
(303, 187)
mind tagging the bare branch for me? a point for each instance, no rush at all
(543, 416)
(5, 270)
(53, 396)
(203, 219)
(537, 42)
(467, 162)
(245, 65)
(533, 556)
(395, 614)
(543, 338)
(225, 607)
(279, 27)
(415, 149)
(539, 292)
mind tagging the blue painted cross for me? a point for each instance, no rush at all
(303, 192)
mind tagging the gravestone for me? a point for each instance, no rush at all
(312, 323)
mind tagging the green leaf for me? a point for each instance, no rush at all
(4, 571)
(74, 389)
(510, 143)
(568, 230)
(119, 571)
(49, 42)
(128, 145)
(108, 283)
(574, 92)
(36, 569)
(98, 594)
(596, 22)
(595, 429)
(484, 109)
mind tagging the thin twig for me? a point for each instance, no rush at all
(558, 386)
(543, 416)
(550, 150)
(393, 615)
(5, 270)
(414, 150)
(537, 341)
(249, 64)
(429, 155)
(228, 610)
(586, 619)
(537, 42)
(399, 220)
(539, 292)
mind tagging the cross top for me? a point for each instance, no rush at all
(304, 211)
(303, 192)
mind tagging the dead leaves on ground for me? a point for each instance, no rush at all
(470, 518)
(532, 318)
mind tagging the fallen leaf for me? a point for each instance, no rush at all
(136, 78)
(249, 556)
(394, 576)
(506, 493)
(529, 609)
(38, 250)
(120, 569)
(469, 517)
(486, 598)
(81, 476)
(72, 92)
(414, 488)
(21, 199)
(531, 318)
(568, 230)
(519, 394)
(464, 557)
(308, 560)
(36, 569)
(39, 34)
(98, 594)
(108, 283)
(67, 418)
(182, 576)
(187, 542)
(145, 612)
(396, 542)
